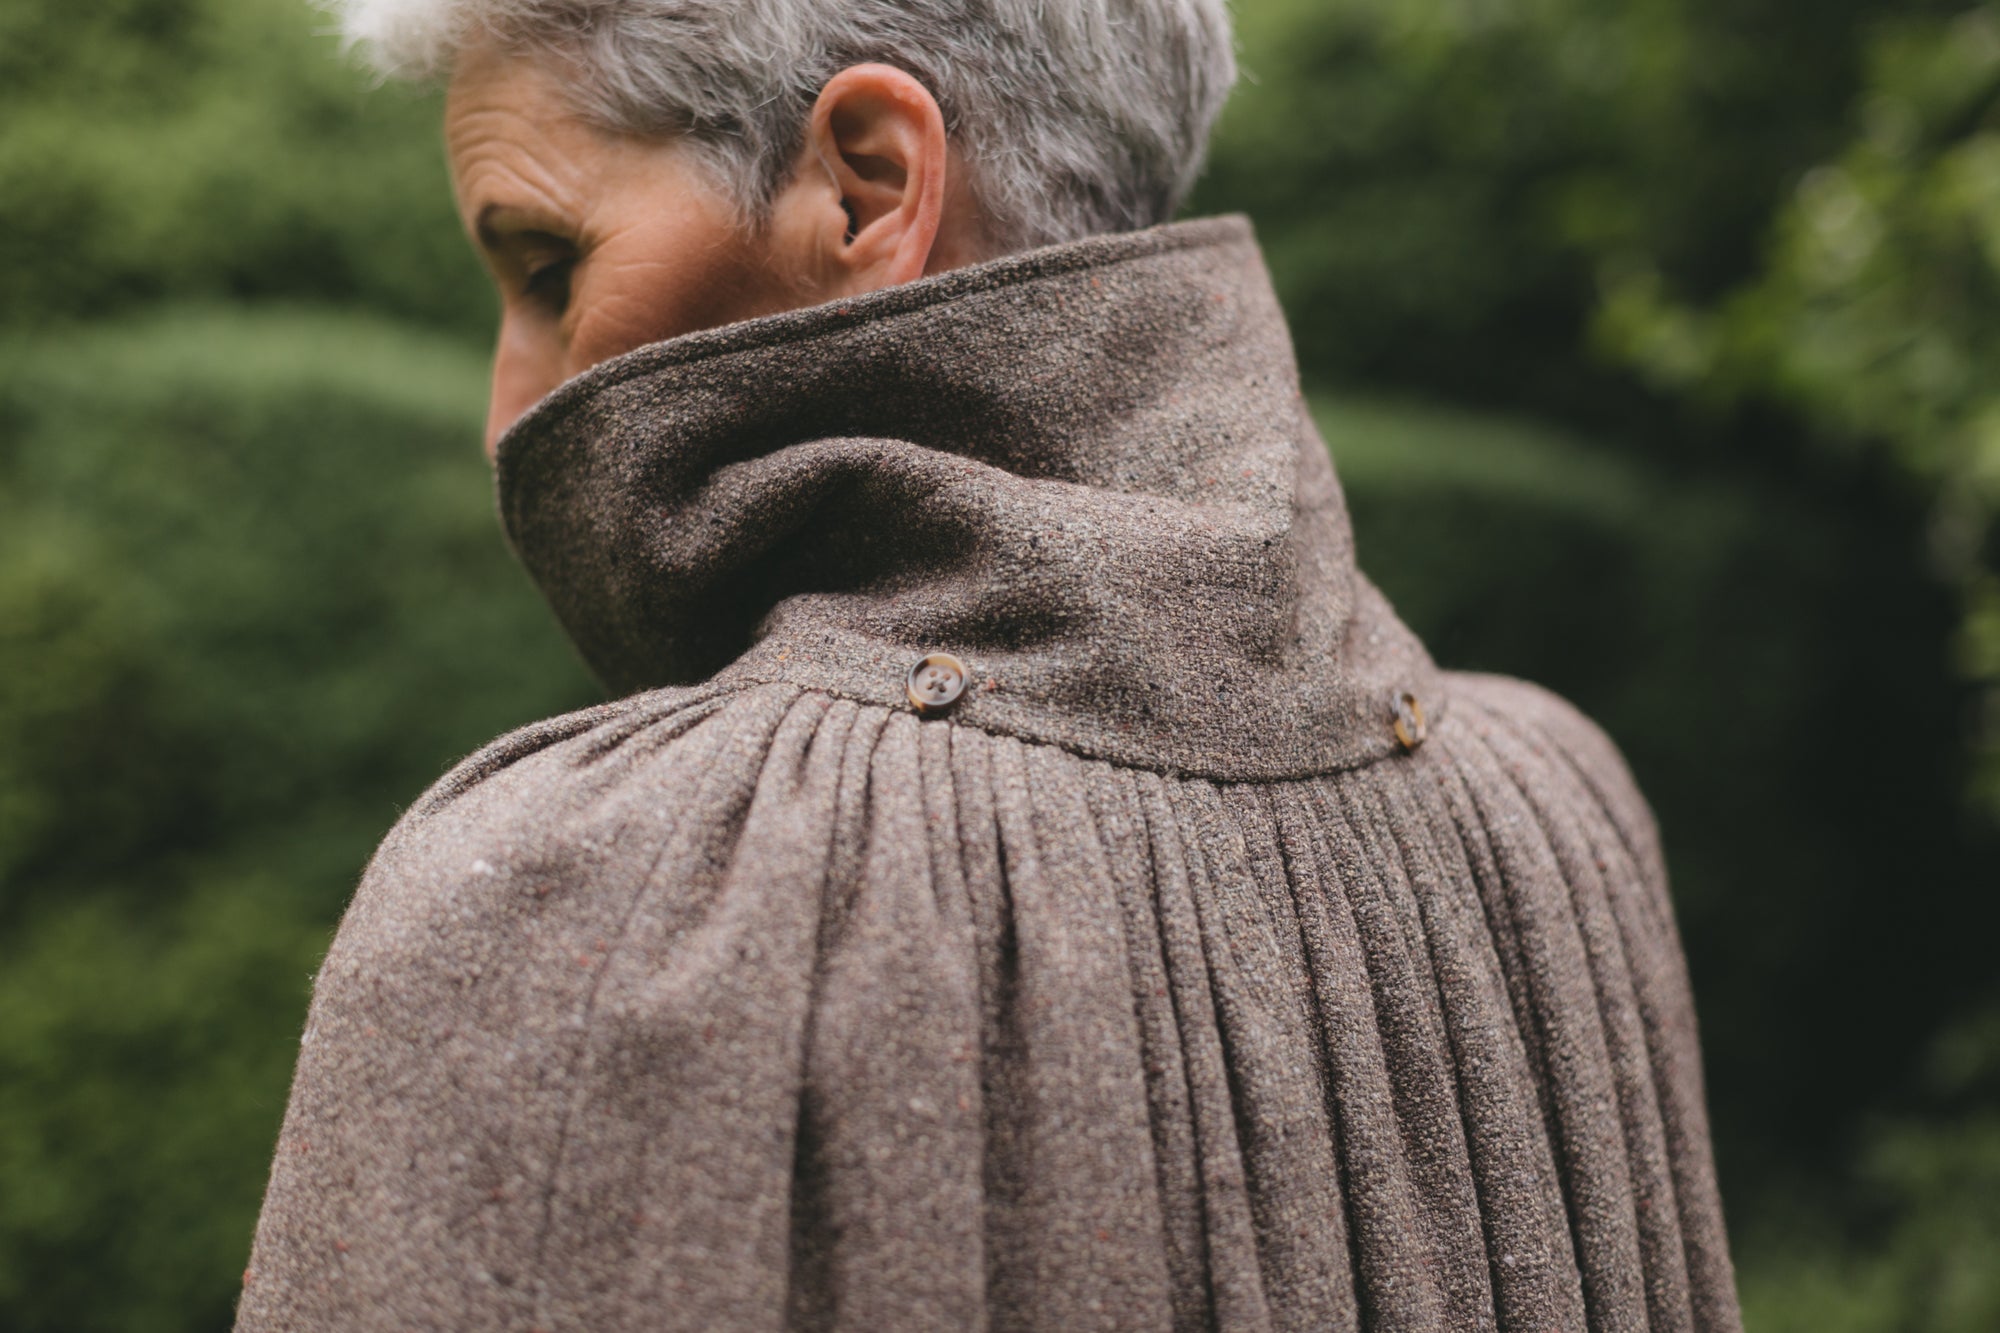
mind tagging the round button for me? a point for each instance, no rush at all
(1406, 718)
(936, 682)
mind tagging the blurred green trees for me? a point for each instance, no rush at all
(1653, 340)
(252, 601)
(155, 148)
(1874, 315)
(1429, 175)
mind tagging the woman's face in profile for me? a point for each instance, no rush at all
(597, 242)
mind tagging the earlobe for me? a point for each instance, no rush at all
(879, 135)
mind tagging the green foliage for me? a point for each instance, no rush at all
(1876, 319)
(252, 600)
(142, 1073)
(1878, 314)
(214, 148)
(1927, 1263)
(1438, 182)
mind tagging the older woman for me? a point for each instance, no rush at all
(1029, 877)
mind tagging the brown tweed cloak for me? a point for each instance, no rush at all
(1155, 985)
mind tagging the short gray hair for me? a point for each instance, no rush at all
(1075, 116)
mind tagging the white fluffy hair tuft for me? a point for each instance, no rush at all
(1076, 116)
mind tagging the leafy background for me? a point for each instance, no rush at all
(1655, 339)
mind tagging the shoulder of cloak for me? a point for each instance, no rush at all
(1561, 736)
(597, 977)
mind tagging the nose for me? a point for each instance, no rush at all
(527, 364)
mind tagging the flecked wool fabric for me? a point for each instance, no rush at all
(1154, 985)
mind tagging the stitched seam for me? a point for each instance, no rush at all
(1167, 771)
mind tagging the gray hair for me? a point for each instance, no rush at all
(1074, 116)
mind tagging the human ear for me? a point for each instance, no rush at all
(879, 136)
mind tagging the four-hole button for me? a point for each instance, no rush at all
(936, 682)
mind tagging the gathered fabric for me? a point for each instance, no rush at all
(1213, 962)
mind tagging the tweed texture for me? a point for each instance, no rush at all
(1153, 986)
(1086, 471)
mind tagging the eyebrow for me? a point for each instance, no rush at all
(484, 227)
(497, 223)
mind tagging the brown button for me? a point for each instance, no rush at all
(1406, 718)
(936, 682)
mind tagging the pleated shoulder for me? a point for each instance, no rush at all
(763, 1008)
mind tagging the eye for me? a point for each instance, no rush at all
(547, 283)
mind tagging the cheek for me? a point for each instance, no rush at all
(626, 299)
(616, 312)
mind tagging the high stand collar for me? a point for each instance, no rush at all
(1087, 472)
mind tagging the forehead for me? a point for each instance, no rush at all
(514, 141)
(497, 96)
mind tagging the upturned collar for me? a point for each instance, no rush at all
(1087, 472)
